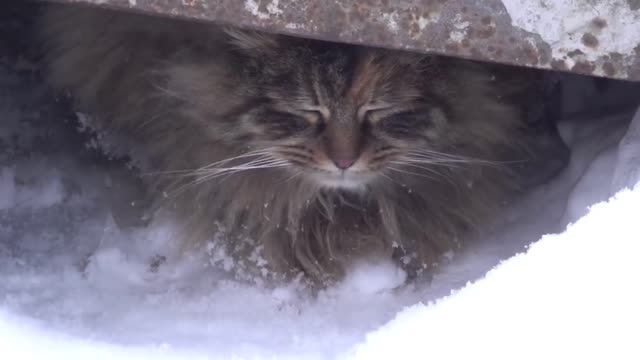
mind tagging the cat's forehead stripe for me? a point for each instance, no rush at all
(319, 94)
(364, 79)
(323, 110)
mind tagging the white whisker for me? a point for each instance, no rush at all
(437, 157)
(212, 171)
(410, 173)
(432, 171)
(263, 153)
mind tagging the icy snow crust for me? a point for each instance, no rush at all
(74, 286)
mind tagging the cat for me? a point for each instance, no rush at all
(313, 153)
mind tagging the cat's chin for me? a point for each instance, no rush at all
(342, 180)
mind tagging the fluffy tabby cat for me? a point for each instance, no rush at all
(318, 152)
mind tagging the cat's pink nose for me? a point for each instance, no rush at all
(344, 163)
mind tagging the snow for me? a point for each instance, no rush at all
(42, 192)
(573, 295)
(627, 169)
(563, 23)
(74, 285)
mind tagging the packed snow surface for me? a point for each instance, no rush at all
(73, 285)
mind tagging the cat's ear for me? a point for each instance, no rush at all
(252, 42)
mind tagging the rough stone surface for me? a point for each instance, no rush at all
(593, 37)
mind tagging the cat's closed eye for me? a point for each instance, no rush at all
(283, 124)
(292, 123)
(405, 124)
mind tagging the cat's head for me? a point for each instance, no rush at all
(343, 116)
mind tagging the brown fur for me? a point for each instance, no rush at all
(190, 95)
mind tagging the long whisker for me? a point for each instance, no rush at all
(293, 176)
(441, 161)
(438, 153)
(266, 151)
(262, 152)
(425, 168)
(410, 173)
(249, 166)
(212, 176)
(257, 162)
(445, 163)
(201, 172)
(464, 158)
(441, 155)
(209, 172)
(444, 158)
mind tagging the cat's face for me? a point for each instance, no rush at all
(336, 115)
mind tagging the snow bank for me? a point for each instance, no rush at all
(573, 295)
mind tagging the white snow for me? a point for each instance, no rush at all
(44, 188)
(573, 295)
(627, 169)
(75, 286)
(562, 23)
(272, 7)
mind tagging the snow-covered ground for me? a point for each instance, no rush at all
(75, 286)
